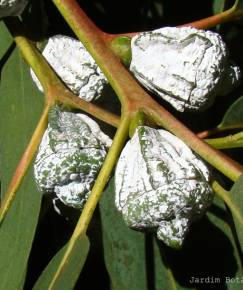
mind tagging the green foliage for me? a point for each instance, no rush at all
(20, 105)
(70, 271)
(236, 195)
(123, 249)
(130, 254)
(226, 252)
(139, 261)
(218, 6)
(234, 114)
(6, 41)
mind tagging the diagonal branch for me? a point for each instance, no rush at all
(230, 141)
(90, 205)
(53, 87)
(217, 130)
(226, 197)
(233, 13)
(55, 91)
(24, 164)
(133, 98)
(219, 160)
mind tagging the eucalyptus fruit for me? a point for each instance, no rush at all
(161, 185)
(185, 66)
(75, 66)
(70, 156)
(12, 7)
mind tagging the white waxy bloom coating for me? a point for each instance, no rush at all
(11, 7)
(75, 66)
(185, 66)
(161, 185)
(70, 156)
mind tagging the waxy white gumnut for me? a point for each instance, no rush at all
(11, 7)
(70, 156)
(185, 66)
(161, 185)
(75, 66)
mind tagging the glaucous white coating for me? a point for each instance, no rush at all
(185, 66)
(161, 185)
(75, 66)
(70, 156)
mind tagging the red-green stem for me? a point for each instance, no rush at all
(67, 98)
(227, 198)
(134, 100)
(46, 76)
(132, 96)
(218, 130)
(24, 164)
(122, 82)
(208, 22)
(230, 141)
(54, 89)
(106, 170)
(225, 16)
(222, 162)
(87, 213)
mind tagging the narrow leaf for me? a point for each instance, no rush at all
(124, 249)
(236, 195)
(218, 6)
(234, 115)
(133, 259)
(6, 41)
(71, 271)
(20, 108)
(138, 261)
(229, 263)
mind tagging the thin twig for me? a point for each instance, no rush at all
(226, 197)
(24, 164)
(231, 141)
(133, 98)
(54, 89)
(218, 130)
(90, 205)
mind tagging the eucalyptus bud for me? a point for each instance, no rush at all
(75, 66)
(161, 185)
(185, 66)
(70, 156)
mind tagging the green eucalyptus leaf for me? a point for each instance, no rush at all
(123, 248)
(236, 198)
(234, 115)
(20, 108)
(139, 261)
(5, 43)
(133, 259)
(201, 263)
(218, 6)
(231, 269)
(71, 270)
